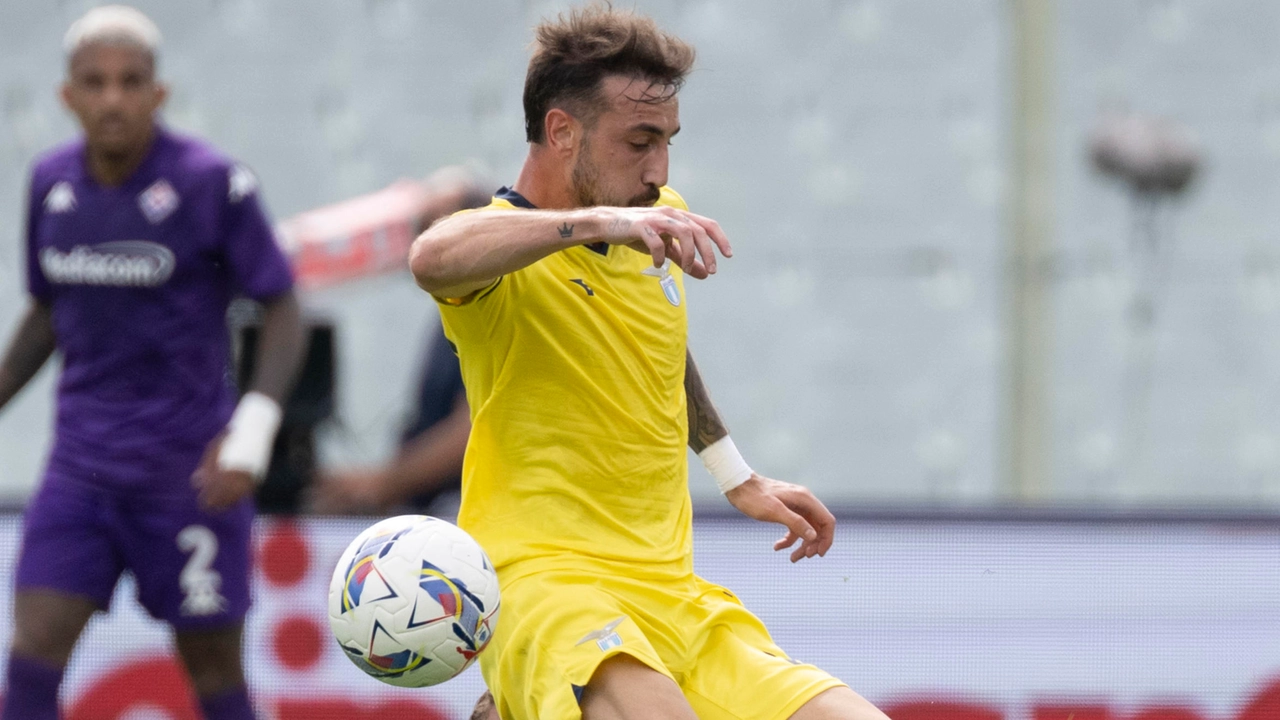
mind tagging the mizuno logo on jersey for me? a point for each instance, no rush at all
(61, 198)
(158, 201)
(124, 263)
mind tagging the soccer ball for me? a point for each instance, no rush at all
(413, 600)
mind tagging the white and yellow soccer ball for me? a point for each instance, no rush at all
(413, 600)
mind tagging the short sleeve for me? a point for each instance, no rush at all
(669, 197)
(258, 265)
(37, 284)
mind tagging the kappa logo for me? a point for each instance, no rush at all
(585, 286)
(606, 637)
(241, 183)
(61, 198)
(669, 288)
(158, 201)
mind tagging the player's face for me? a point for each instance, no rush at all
(622, 160)
(114, 94)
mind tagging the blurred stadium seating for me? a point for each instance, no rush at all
(858, 154)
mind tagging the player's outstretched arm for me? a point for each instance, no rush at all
(466, 252)
(428, 461)
(758, 497)
(224, 477)
(30, 348)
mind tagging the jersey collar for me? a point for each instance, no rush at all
(520, 201)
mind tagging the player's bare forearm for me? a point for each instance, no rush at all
(761, 498)
(705, 425)
(280, 348)
(32, 344)
(463, 253)
(466, 252)
(431, 458)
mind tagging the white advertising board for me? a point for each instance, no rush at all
(932, 620)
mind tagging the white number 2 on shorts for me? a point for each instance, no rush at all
(199, 581)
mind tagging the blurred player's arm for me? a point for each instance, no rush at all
(276, 366)
(29, 349)
(469, 251)
(758, 497)
(425, 463)
(280, 350)
(430, 459)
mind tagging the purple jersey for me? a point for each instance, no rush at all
(139, 278)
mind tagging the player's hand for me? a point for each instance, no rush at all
(686, 238)
(348, 491)
(804, 515)
(219, 489)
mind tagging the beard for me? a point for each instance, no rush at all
(587, 189)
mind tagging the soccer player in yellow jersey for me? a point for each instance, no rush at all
(583, 397)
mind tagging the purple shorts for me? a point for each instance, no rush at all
(191, 566)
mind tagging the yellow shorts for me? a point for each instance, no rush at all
(557, 626)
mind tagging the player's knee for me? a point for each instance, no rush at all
(485, 708)
(839, 703)
(46, 625)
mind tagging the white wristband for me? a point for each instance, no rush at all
(250, 435)
(725, 464)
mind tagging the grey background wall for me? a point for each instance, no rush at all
(857, 152)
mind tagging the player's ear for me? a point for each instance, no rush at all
(64, 94)
(161, 95)
(563, 132)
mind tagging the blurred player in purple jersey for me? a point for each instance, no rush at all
(137, 240)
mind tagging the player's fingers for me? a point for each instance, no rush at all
(786, 541)
(797, 525)
(208, 496)
(653, 241)
(680, 229)
(208, 462)
(799, 553)
(714, 232)
(823, 521)
(827, 537)
(702, 243)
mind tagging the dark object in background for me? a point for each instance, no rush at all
(1152, 155)
(293, 460)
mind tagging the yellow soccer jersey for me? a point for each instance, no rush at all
(574, 368)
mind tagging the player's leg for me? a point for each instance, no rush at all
(192, 569)
(46, 627)
(624, 688)
(66, 570)
(485, 709)
(213, 660)
(839, 703)
(740, 672)
(555, 653)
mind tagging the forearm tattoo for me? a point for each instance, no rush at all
(705, 425)
(619, 226)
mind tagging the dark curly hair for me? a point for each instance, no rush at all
(574, 53)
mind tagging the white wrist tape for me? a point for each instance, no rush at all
(725, 464)
(250, 435)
